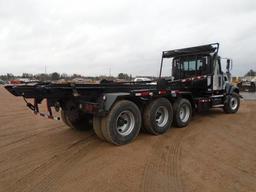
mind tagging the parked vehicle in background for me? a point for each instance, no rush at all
(2, 82)
(118, 110)
(145, 80)
(140, 79)
(247, 86)
(23, 81)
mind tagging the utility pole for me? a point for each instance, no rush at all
(109, 72)
(45, 69)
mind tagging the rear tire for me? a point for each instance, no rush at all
(232, 103)
(158, 116)
(81, 123)
(97, 127)
(122, 124)
(182, 112)
(64, 119)
(73, 117)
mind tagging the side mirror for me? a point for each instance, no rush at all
(228, 64)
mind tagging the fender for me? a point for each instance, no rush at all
(229, 89)
(110, 99)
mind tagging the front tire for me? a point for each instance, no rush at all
(158, 116)
(182, 112)
(232, 103)
(122, 124)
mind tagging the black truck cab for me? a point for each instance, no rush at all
(199, 70)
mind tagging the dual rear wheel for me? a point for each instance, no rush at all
(182, 112)
(121, 125)
(158, 116)
(124, 121)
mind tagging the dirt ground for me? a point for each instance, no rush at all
(216, 152)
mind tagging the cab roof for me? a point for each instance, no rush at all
(203, 49)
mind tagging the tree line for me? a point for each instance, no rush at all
(251, 73)
(57, 76)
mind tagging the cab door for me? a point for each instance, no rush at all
(217, 76)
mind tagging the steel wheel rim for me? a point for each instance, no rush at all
(184, 113)
(125, 123)
(161, 116)
(233, 103)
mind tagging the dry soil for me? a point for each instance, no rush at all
(216, 152)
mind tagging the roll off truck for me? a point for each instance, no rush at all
(117, 111)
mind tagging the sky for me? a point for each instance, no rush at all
(103, 37)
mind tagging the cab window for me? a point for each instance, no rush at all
(186, 67)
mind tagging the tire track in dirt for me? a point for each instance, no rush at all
(19, 141)
(164, 163)
(21, 110)
(6, 123)
(45, 175)
(22, 148)
(27, 130)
